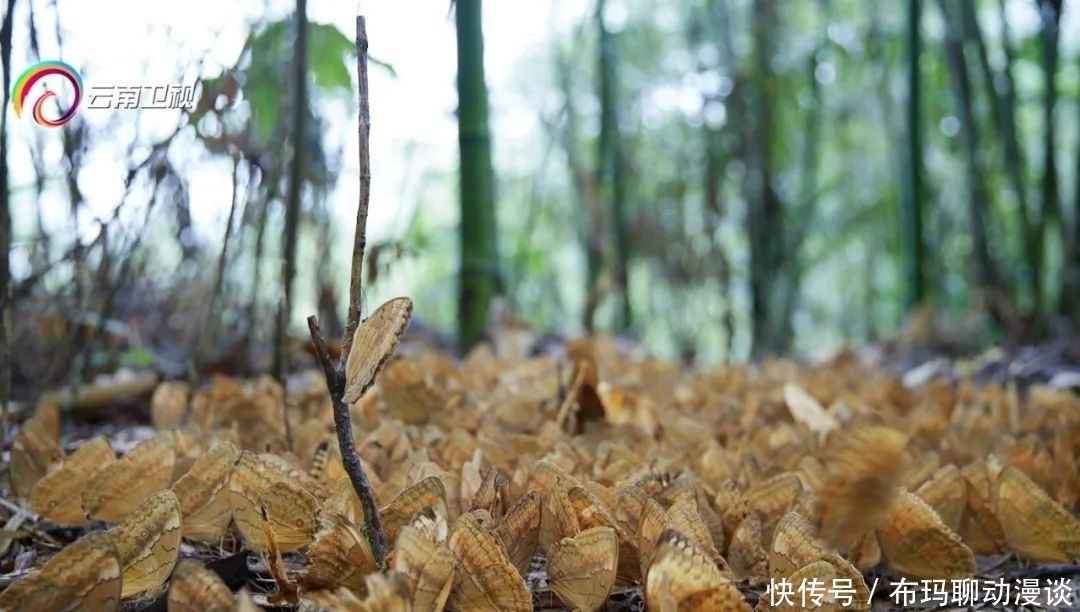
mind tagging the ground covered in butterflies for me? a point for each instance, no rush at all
(593, 478)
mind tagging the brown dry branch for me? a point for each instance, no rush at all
(336, 380)
(360, 235)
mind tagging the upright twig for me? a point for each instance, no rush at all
(352, 319)
(335, 377)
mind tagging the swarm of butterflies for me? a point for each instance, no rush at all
(508, 483)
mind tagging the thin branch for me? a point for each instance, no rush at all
(335, 382)
(207, 327)
(24, 287)
(360, 236)
(321, 353)
(335, 378)
(112, 284)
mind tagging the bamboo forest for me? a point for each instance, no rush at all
(552, 305)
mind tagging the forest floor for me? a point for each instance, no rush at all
(609, 416)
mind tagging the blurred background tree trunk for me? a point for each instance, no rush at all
(478, 282)
(987, 280)
(5, 222)
(584, 180)
(292, 200)
(1069, 301)
(770, 330)
(1050, 186)
(911, 218)
(999, 90)
(612, 165)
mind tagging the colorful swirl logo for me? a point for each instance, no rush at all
(30, 77)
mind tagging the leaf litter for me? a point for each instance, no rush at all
(589, 479)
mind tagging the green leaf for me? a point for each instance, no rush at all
(261, 82)
(387, 66)
(136, 358)
(328, 49)
(264, 97)
(330, 57)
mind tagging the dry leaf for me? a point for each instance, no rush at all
(259, 481)
(485, 580)
(581, 569)
(1035, 526)
(194, 588)
(582, 403)
(428, 493)
(682, 577)
(292, 513)
(746, 554)
(287, 590)
(84, 576)
(33, 452)
(918, 546)
(148, 542)
(168, 405)
(118, 487)
(57, 497)
(408, 394)
(980, 528)
(204, 494)
(519, 531)
(806, 410)
(430, 569)
(775, 496)
(374, 342)
(946, 493)
(795, 543)
(339, 556)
